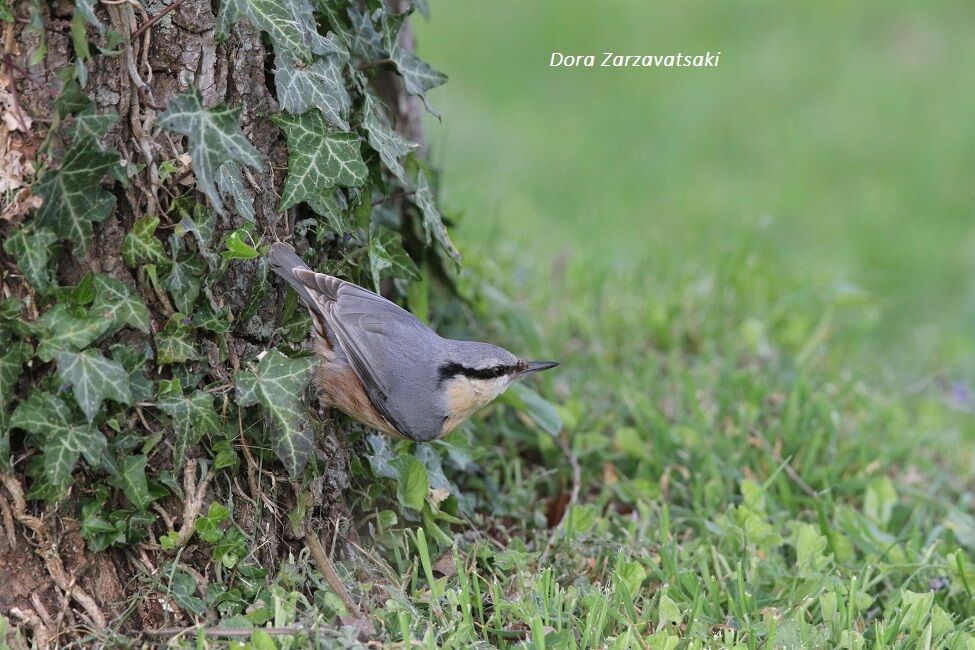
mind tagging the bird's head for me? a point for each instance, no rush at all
(475, 374)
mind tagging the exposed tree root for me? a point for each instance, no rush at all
(47, 551)
(193, 500)
(328, 570)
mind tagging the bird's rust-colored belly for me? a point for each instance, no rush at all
(339, 386)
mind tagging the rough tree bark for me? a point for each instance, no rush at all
(49, 581)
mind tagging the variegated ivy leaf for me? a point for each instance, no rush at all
(141, 246)
(289, 23)
(202, 225)
(63, 437)
(131, 479)
(208, 318)
(277, 384)
(133, 359)
(92, 125)
(175, 343)
(319, 85)
(184, 282)
(365, 42)
(319, 157)
(31, 251)
(114, 301)
(230, 185)
(64, 328)
(213, 138)
(418, 76)
(388, 259)
(392, 24)
(12, 361)
(432, 220)
(388, 143)
(93, 379)
(332, 205)
(71, 99)
(73, 198)
(193, 417)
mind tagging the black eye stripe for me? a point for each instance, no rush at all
(452, 369)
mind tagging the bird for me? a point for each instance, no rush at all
(384, 368)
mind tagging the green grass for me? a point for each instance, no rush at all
(739, 484)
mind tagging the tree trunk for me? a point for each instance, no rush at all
(51, 582)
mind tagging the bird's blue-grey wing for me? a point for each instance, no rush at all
(380, 339)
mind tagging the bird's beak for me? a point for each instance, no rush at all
(538, 366)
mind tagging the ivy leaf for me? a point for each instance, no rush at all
(82, 293)
(319, 85)
(91, 125)
(413, 483)
(389, 144)
(364, 41)
(418, 76)
(331, 205)
(134, 362)
(71, 99)
(114, 301)
(193, 417)
(12, 362)
(64, 330)
(391, 25)
(31, 250)
(432, 220)
(388, 259)
(231, 546)
(319, 158)
(255, 292)
(93, 379)
(175, 343)
(182, 587)
(87, 9)
(213, 136)
(237, 248)
(202, 225)
(184, 282)
(141, 246)
(64, 439)
(276, 384)
(208, 527)
(210, 319)
(131, 479)
(73, 198)
(230, 185)
(289, 23)
(99, 533)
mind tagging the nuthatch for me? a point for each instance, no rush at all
(383, 367)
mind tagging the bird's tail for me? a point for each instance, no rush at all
(284, 261)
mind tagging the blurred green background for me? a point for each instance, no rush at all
(835, 138)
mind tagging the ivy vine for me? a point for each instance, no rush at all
(89, 381)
